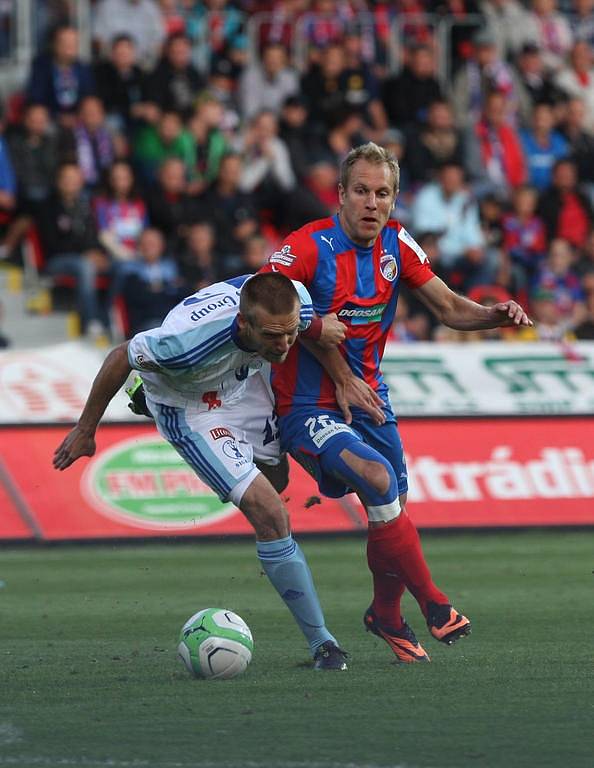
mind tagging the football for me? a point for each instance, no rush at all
(215, 644)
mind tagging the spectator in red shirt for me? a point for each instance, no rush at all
(500, 146)
(565, 208)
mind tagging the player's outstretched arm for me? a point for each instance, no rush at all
(81, 440)
(465, 315)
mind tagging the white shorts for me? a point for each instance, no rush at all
(222, 444)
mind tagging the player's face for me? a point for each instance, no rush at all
(367, 201)
(272, 336)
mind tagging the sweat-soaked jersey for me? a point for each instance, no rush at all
(361, 285)
(195, 357)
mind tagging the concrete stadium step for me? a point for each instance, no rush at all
(23, 328)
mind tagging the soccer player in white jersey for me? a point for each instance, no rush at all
(206, 378)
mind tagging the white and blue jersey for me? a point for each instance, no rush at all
(210, 397)
(196, 351)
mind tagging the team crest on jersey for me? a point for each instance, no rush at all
(284, 257)
(388, 266)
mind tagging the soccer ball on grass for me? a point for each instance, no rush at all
(215, 644)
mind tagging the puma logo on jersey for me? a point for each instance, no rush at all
(325, 239)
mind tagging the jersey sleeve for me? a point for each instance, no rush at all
(171, 351)
(306, 312)
(416, 270)
(297, 258)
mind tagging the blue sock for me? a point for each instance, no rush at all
(286, 567)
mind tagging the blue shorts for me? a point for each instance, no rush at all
(307, 433)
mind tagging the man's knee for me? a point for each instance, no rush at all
(265, 511)
(373, 473)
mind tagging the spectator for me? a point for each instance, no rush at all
(152, 286)
(231, 211)
(121, 86)
(120, 212)
(565, 209)
(173, 16)
(360, 86)
(581, 141)
(534, 84)
(344, 132)
(499, 146)
(280, 25)
(170, 207)
(549, 325)
(324, 25)
(320, 88)
(32, 149)
(556, 274)
(210, 143)
(446, 207)
(577, 79)
(468, 23)
(267, 172)
(198, 260)
(508, 22)
(433, 143)
(69, 239)
(255, 254)
(483, 73)
(581, 20)
(322, 182)
(542, 146)
(90, 143)
(59, 80)
(216, 30)
(408, 95)
(222, 84)
(157, 143)
(552, 32)
(141, 19)
(267, 84)
(175, 83)
(524, 237)
(294, 131)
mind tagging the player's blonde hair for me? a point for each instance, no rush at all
(371, 153)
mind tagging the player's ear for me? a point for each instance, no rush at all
(340, 194)
(241, 321)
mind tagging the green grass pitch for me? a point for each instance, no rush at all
(89, 675)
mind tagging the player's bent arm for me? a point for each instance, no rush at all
(350, 390)
(81, 440)
(462, 314)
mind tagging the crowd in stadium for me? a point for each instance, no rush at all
(174, 156)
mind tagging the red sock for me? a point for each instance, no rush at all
(395, 548)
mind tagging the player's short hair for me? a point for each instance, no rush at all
(371, 153)
(272, 291)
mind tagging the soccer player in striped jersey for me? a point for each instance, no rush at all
(206, 373)
(352, 265)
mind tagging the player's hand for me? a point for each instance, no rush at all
(76, 444)
(333, 331)
(508, 313)
(354, 391)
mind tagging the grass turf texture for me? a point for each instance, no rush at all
(88, 674)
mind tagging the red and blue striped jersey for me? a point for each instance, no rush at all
(361, 285)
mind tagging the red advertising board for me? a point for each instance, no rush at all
(463, 473)
(137, 486)
(12, 525)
